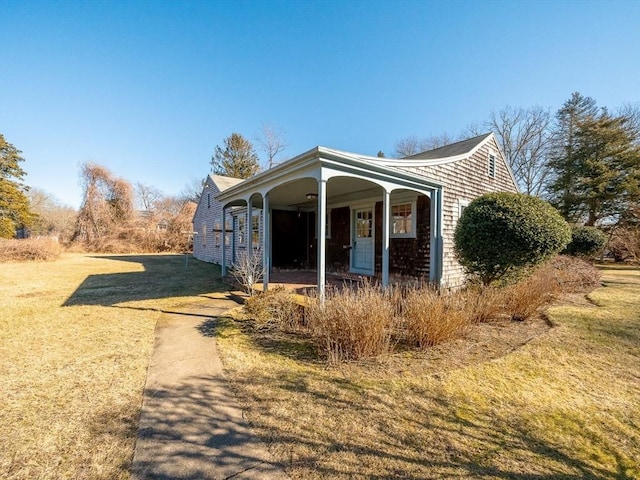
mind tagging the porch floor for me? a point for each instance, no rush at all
(302, 280)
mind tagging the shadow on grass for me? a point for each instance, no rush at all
(430, 439)
(163, 276)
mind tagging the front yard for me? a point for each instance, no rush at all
(511, 400)
(75, 340)
(553, 403)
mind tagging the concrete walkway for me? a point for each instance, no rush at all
(190, 426)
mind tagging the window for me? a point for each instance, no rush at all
(255, 230)
(217, 234)
(491, 168)
(228, 230)
(403, 220)
(208, 200)
(204, 234)
(462, 204)
(242, 229)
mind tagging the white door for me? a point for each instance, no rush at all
(362, 241)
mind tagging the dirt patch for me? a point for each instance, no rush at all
(483, 342)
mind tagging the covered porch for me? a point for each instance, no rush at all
(340, 213)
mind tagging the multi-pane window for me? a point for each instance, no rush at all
(217, 233)
(228, 230)
(491, 169)
(402, 220)
(242, 229)
(363, 224)
(255, 231)
(208, 200)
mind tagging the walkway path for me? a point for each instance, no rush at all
(190, 426)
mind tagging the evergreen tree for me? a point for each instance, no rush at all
(596, 163)
(563, 161)
(608, 180)
(237, 159)
(14, 205)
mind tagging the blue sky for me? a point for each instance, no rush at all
(149, 88)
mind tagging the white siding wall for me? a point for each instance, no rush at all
(207, 245)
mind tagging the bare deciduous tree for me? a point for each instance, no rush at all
(52, 217)
(272, 141)
(192, 190)
(107, 203)
(411, 145)
(148, 197)
(524, 136)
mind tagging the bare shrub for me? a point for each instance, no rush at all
(431, 317)
(277, 306)
(353, 323)
(525, 298)
(484, 303)
(624, 244)
(30, 249)
(572, 275)
(248, 270)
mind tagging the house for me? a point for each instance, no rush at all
(207, 221)
(336, 211)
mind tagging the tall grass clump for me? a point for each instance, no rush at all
(352, 323)
(524, 298)
(484, 303)
(29, 249)
(431, 317)
(276, 307)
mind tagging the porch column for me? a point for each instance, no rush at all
(386, 207)
(224, 242)
(266, 242)
(436, 247)
(322, 236)
(248, 229)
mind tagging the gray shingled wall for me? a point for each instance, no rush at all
(463, 181)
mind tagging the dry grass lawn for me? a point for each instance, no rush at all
(75, 340)
(511, 401)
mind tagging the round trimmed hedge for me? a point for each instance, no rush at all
(500, 235)
(585, 242)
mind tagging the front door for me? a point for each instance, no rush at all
(362, 241)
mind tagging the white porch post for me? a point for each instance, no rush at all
(266, 242)
(248, 229)
(435, 267)
(385, 236)
(322, 237)
(224, 242)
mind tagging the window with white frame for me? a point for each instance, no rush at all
(403, 220)
(491, 165)
(242, 229)
(462, 204)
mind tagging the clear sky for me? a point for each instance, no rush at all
(149, 88)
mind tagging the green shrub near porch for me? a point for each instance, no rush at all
(501, 235)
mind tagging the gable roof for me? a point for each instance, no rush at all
(223, 182)
(464, 147)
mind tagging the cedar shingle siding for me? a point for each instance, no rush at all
(462, 177)
(463, 181)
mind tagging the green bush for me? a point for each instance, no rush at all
(585, 242)
(501, 235)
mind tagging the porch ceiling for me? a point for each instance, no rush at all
(339, 189)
